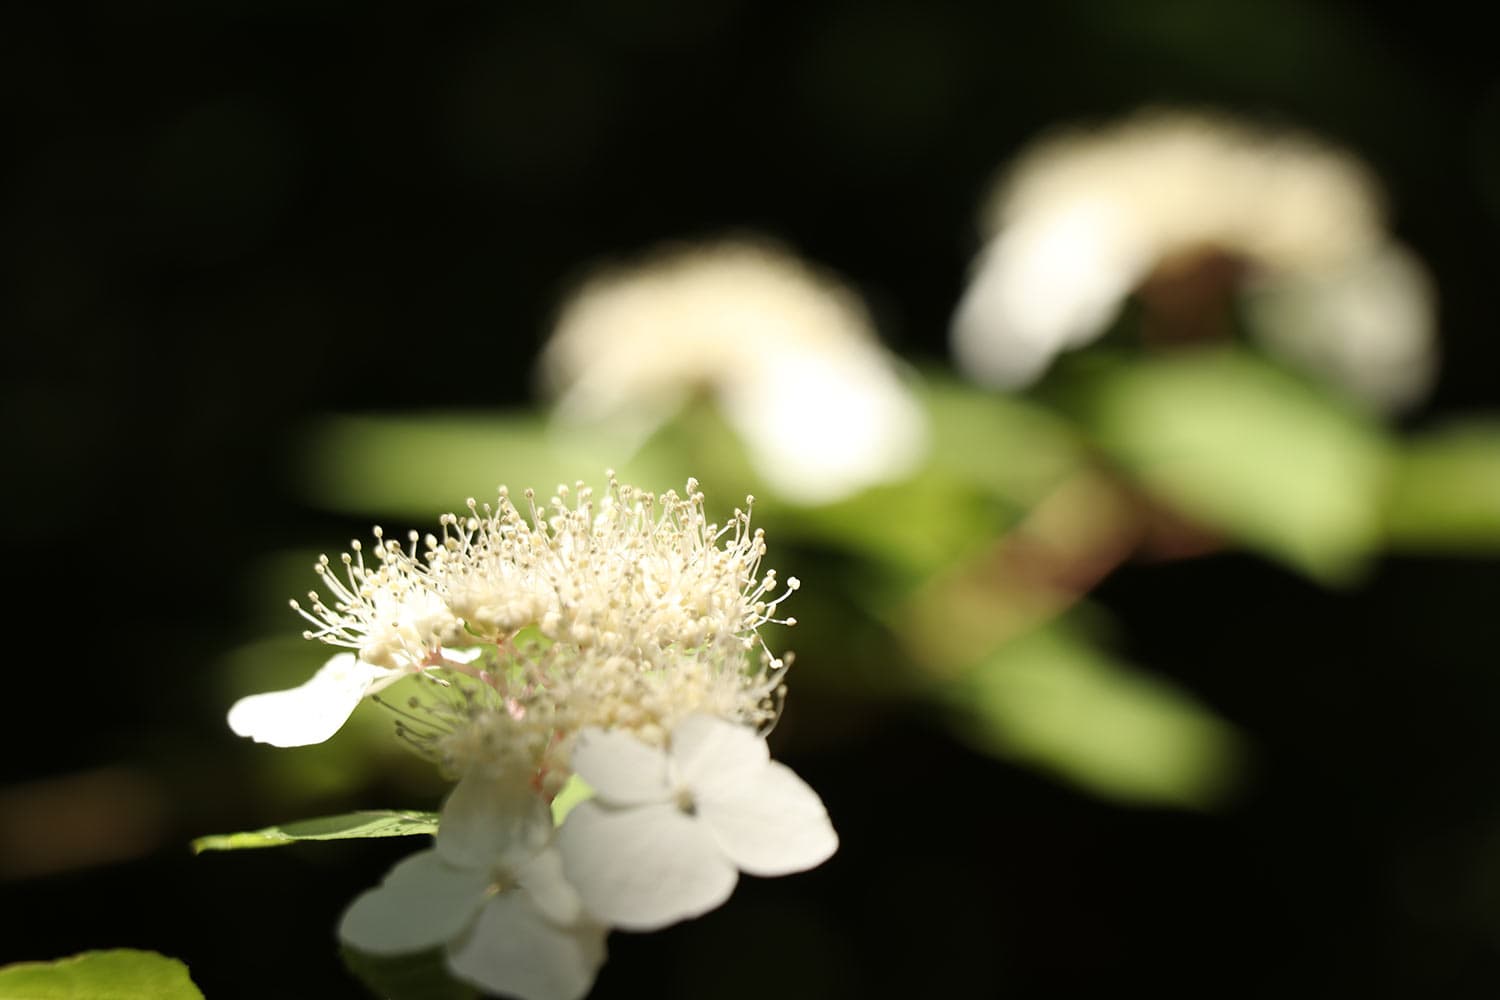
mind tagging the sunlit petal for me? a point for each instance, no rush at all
(311, 712)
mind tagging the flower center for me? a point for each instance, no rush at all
(502, 879)
(684, 801)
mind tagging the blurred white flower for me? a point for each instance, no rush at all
(1355, 324)
(669, 830)
(491, 892)
(787, 352)
(1084, 218)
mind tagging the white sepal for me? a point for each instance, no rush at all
(423, 902)
(514, 950)
(621, 770)
(771, 824)
(311, 712)
(644, 867)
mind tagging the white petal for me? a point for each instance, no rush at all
(543, 879)
(422, 903)
(487, 822)
(708, 753)
(771, 823)
(620, 768)
(1367, 324)
(643, 867)
(311, 713)
(513, 950)
(823, 424)
(1050, 281)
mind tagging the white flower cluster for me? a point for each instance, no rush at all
(1085, 217)
(613, 639)
(786, 351)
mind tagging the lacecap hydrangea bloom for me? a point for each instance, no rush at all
(1084, 218)
(615, 639)
(786, 352)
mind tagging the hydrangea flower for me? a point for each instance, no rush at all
(617, 639)
(787, 353)
(491, 893)
(628, 612)
(669, 829)
(1163, 199)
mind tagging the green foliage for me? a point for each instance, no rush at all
(418, 466)
(349, 826)
(991, 458)
(1248, 450)
(1445, 493)
(116, 974)
(1006, 446)
(574, 792)
(1053, 700)
(421, 975)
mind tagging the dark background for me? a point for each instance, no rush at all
(219, 220)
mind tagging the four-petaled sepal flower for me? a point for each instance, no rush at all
(492, 892)
(668, 831)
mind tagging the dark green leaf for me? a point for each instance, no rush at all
(1054, 700)
(1445, 493)
(349, 826)
(421, 975)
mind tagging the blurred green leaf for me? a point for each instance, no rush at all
(1445, 493)
(1006, 445)
(349, 826)
(992, 458)
(116, 974)
(915, 527)
(575, 791)
(1249, 450)
(419, 466)
(421, 975)
(1053, 700)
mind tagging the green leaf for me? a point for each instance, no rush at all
(116, 974)
(418, 466)
(1445, 494)
(991, 459)
(1250, 450)
(914, 528)
(349, 826)
(1053, 700)
(1006, 445)
(421, 975)
(574, 792)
